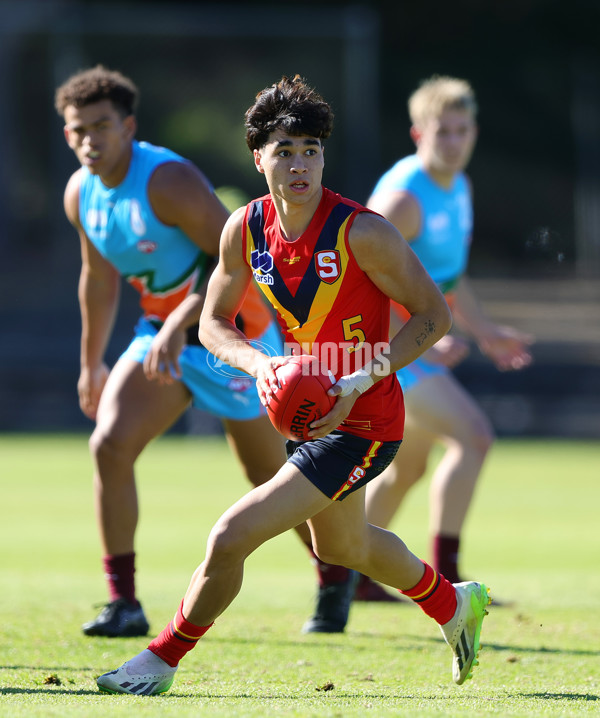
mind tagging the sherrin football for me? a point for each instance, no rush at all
(302, 397)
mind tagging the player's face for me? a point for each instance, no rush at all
(446, 143)
(101, 139)
(292, 165)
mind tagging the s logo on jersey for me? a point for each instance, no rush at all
(262, 264)
(328, 265)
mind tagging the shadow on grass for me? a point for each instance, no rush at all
(48, 691)
(557, 696)
(337, 695)
(173, 695)
(541, 649)
(484, 645)
(51, 669)
(336, 640)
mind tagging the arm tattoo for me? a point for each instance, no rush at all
(428, 329)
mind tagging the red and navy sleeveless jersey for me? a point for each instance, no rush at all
(326, 305)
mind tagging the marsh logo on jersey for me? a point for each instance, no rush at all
(262, 264)
(328, 265)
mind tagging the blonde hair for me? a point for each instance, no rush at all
(439, 93)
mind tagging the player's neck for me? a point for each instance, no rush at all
(118, 173)
(440, 177)
(295, 217)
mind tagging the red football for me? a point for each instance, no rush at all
(302, 397)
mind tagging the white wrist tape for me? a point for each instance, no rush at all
(359, 380)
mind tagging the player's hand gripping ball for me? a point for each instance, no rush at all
(302, 397)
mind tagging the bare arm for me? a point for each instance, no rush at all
(224, 296)
(98, 292)
(505, 346)
(384, 255)
(226, 291)
(388, 261)
(181, 197)
(401, 208)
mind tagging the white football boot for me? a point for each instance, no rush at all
(463, 630)
(144, 675)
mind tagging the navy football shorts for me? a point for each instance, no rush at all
(340, 463)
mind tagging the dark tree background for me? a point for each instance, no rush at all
(535, 66)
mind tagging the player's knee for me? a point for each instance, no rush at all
(333, 557)
(99, 444)
(415, 471)
(476, 437)
(484, 436)
(262, 468)
(402, 474)
(340, 554)
(226, 544)
(107, 447)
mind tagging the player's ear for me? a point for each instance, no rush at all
(130, 124)
(415, 134)
(258, 161)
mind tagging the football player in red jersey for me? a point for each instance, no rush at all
(323, 482)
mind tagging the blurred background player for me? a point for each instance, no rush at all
(147, 214)
(428, 198)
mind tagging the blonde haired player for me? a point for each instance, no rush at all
(428, 198)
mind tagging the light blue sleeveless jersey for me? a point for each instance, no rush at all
(161, 262)
(165, 266)
(444, 240)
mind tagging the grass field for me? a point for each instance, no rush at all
(532, 536)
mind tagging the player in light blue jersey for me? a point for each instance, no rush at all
(427, 197)
(150, 216)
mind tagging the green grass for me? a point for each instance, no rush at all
(532, 536)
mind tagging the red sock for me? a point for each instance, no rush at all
(177, 638)
(328, 573)
(435, 595)
(119, 571)
(445, 551)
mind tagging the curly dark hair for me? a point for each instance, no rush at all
(290, 105)
(96, 84)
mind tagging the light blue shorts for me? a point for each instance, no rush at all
(215, 387)
(416, 371)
